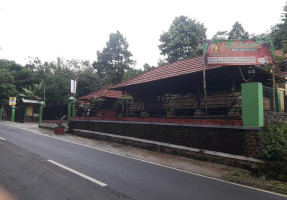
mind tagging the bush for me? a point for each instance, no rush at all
(273, 148)
(97, 104)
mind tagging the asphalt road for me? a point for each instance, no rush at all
(34, 166)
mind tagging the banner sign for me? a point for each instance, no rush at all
(73, 86)
(12, 101)
(238, 52)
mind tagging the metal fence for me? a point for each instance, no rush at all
(274, 99)
(54, 112)
(213, 105)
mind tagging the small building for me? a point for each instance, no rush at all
(100, 103)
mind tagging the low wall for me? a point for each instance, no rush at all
(226, 139)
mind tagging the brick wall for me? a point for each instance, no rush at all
(238, 141)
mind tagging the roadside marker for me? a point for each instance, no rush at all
(2, 138)
(78, 173)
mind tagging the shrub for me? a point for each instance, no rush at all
(273, 148)
(119, 104)
(97, 104)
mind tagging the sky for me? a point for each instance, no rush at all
(77, 29)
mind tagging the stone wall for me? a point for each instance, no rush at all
(237, 141)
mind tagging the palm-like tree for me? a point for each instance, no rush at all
(30, 92)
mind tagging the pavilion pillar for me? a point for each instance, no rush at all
(70, 110)
(41, 112)
(13, 114)
(1, 113)
(252, 104)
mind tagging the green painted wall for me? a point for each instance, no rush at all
(252, 104)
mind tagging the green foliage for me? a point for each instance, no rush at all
(273, 148)
(183, 39)
(168, 102)
(274, 141)
(7, 87)
(88, 81)
(97, 104)
(279, 32)
(11, 66)
(57, 89)
(23, 79)
(257, 181)
(131, 73)
(238, 32)
(30, 92)
(114, 59)
(220, 35)
(121, 101)
(147, 67)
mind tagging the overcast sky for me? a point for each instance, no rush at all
(76, 29)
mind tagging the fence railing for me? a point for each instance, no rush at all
(213, 105)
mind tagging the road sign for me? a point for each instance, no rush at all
(12, 101)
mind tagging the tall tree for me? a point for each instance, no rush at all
(183, 39)
(114, 59)
(279, 32)
(220, 35)
(7, 88)
(147, 67)
(88, 81)
(238, 32)
(57, 89)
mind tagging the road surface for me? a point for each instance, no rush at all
(34, 166)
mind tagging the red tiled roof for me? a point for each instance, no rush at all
(166, 71)
(282, 74)
(105, 92)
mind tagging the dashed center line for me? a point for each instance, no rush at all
(78, 173)
(2, 138)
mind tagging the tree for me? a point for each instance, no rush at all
(7, 88)
(238, 32)
(23, 79)
(220, 35)
(279, 32)
(57, 89)
(183, 39)
(12, 66)
(30, 92)
(131, 73)
(147, 67)
(88, 81)
(114, 59)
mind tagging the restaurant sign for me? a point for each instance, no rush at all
(12, 101)
(238, 52)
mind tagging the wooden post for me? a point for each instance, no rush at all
(274, 88)
(204, 88)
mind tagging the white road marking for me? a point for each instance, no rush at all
(2, 138)
(146, 161)
(78, 173)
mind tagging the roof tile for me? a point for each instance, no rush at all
(105, 92)
(166, 71)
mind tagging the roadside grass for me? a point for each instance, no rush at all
(258, 182)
